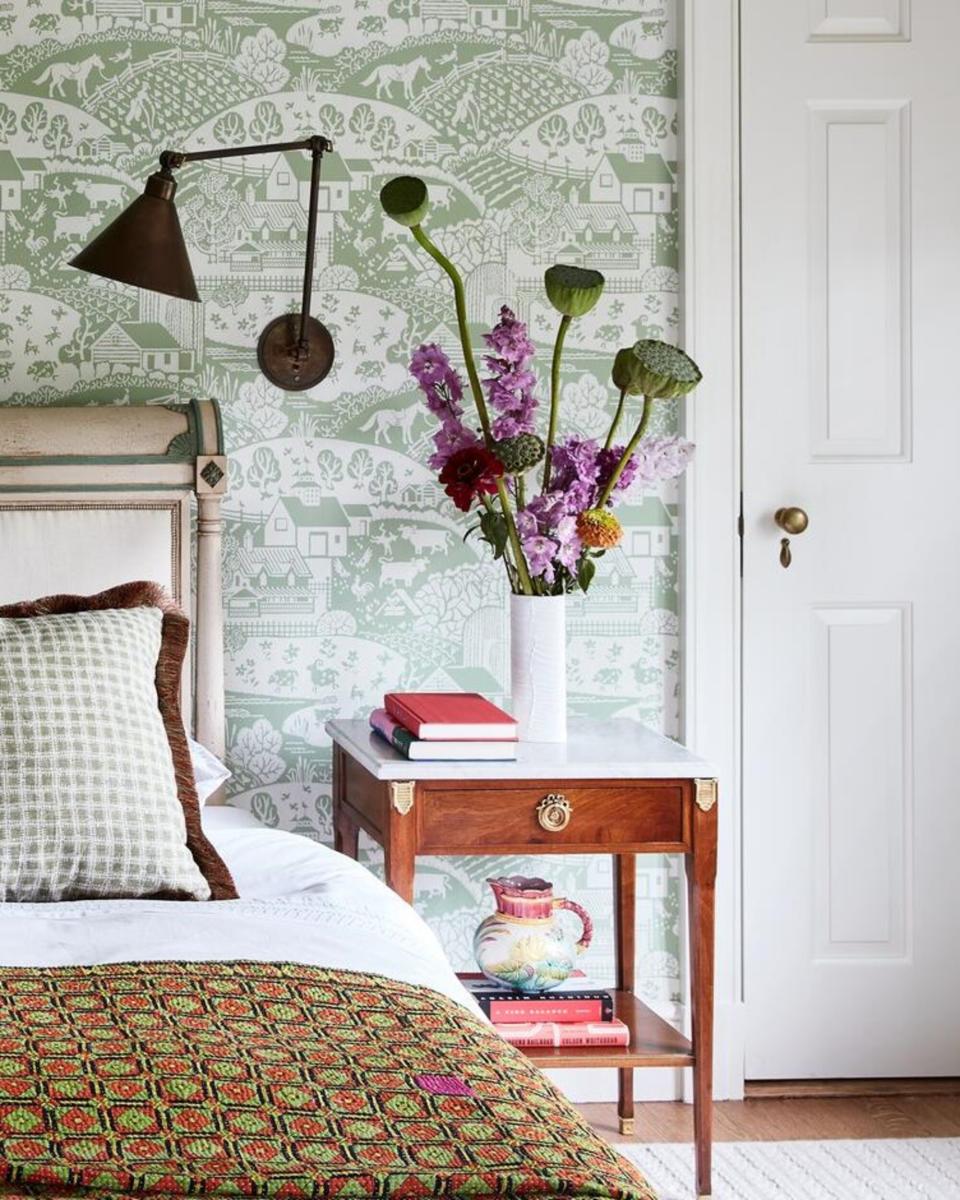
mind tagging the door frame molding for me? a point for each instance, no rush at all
(711, 593)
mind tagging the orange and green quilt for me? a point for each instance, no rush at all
(275, 1080)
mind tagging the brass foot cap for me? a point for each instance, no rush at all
(627, 1127)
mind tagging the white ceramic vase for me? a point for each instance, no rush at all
(538, 666)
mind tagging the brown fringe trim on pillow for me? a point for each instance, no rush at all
(174, 643)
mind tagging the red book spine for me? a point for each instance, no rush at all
(552, 1033)
(524, 1011)
(399, 711)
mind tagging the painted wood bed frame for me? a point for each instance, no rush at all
(85, 487)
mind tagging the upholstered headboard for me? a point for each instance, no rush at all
(93, 495)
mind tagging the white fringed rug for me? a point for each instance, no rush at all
(887, 1169)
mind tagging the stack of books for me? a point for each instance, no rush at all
(445, 726)
(575, 1013)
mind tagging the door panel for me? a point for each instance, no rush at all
(859, 256)
(851, 257)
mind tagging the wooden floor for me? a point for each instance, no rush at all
(782, 1120)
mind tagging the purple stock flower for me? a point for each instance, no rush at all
(574, 461)
(510, 386)
(607, 461)
(581, 469)
(659, 458)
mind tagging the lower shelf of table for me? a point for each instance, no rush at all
(653, 1043)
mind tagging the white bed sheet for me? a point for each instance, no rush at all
(300, 902)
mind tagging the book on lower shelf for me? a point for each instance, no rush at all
(576, 1000)
(421, 750)
(542, 1034)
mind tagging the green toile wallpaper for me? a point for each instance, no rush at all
(547, 130)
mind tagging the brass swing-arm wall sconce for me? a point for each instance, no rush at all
(144, 246)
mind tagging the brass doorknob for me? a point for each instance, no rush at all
(791, 520)
(794, 521)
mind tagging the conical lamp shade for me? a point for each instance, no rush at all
(144, 246)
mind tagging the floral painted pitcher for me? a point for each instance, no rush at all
(523, 945)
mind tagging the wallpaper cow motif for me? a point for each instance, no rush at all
(547, 130)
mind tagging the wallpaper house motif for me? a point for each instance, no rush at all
(547, 130)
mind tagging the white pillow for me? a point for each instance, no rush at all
(208, 771)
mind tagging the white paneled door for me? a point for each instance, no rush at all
(851, 356)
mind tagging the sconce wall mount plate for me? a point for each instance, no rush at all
(288, 362)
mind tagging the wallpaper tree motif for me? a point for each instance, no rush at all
(547, 131)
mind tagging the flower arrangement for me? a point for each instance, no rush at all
(548, 541)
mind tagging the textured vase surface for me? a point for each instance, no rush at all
(523, 945)
(538, 666)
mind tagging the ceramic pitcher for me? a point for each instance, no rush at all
(522, 944)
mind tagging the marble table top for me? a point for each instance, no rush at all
(619, 748)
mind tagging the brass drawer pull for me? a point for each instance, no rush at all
(554, 812)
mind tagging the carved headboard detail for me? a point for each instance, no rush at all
(96, 494)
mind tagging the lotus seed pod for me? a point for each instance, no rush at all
(573, 291)
(599, 529)
(655, 370)
(405, 199)
(519, 453)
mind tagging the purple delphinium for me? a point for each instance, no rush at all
(539, 551)
(451, 437)
(510, 386)
(443, 389)
(438, 381)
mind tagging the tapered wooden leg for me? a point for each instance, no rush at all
(400, 851)
(399, 870)
(701, 874)
(624, 922)
(346, 836)
(625, 1119)
(345, 833)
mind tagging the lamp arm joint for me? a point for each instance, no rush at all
(317, 144)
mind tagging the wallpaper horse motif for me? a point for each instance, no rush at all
(546, 130)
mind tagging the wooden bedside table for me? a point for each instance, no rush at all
(614, 788)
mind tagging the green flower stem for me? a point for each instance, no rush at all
(526, 583)
(521, 492)
(616, 420)
(554, 395)
(625, 457)
(520, 563)
(460, 303)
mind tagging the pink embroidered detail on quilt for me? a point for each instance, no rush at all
(443, 1085)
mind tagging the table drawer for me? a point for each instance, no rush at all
(546, 816)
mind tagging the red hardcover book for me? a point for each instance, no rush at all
(554, 1033)
(450, 716)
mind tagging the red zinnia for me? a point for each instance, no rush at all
(470, 473)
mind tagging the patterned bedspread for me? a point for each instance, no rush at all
(259, 1079)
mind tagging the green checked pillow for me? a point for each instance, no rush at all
(96, 792)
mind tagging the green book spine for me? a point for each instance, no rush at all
(402, 740)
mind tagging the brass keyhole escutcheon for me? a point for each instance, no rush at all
(554, 812)
(794, 521)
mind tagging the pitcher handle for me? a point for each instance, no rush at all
(585, 919)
